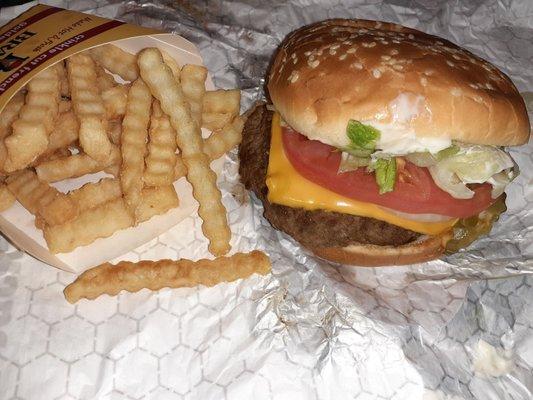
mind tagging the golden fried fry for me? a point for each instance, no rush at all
(65, 132)
(192, 78)
(222, 102)
(105, 79)
(98, 222)
(215, 121)
(156, 201)
(113, 170)
(29, 137)
(10, 113)
(64, 106)
(63, 79)
(88, 107)
(154, 275)
(114, 130)
(117, 61)
(203, 180)
(133, 143)
(94, 194)
(162, 156)
(216, 145)
(6, 198)
(172, 64)
(73, 166)
(115, 100)
(41, 199)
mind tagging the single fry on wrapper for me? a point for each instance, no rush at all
(162, 156)
(164, 87)
(73, 166)
(155, 275)
(29, 137)
(89, 107)
(192, 78)
(117, 61)
(7, 199)
(133, 143)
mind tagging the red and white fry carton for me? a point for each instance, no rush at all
(34, 41)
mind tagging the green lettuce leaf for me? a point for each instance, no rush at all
(385, 170)
(362, 137)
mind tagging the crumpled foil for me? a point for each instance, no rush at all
(457, 328)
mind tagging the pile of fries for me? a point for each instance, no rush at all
(74, 119)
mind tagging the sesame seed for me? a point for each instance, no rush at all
(332, 51)
(313, 63)
(351, 50)
(335, 46)
(423, 81)
(295, 61)
(307, 53)
(428, 72)
(456, 91)
(411, 36)
(293, 77)
(342, 57)
(473, 85)
(357, 65)
(363, 30)
(396, 41)
(376, 73)
(450, 63)
(386, 58)
(456, 57)
(478, 99)
(380, 33)
(397, 67)
(439, 43)
(394, 52)
(489, 86)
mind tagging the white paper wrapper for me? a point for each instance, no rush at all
(443, 330)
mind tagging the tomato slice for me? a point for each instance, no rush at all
(415, 192)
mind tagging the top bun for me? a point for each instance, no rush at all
(332, 71)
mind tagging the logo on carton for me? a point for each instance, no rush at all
(8, 60)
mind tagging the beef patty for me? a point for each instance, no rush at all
(311, 228)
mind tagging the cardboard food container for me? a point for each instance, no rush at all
(34, 41)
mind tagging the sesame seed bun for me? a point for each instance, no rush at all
(332, 71)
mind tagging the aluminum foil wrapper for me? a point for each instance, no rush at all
(457, 328)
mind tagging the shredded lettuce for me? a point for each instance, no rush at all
(363, 138)
(385, 170)
(349, 162)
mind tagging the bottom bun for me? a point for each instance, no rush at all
(425, 248)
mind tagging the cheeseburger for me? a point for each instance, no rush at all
(383, 145)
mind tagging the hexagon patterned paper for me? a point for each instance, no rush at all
(312, 330)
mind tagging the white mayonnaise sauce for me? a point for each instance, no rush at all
(396, 137)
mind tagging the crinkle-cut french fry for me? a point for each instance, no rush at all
(63, 79)
(113, 170)
(133, 143)
(215, 121)
(172, 64)
(73, 166)
(114, 130)
(161, 158)
(64, 106)
(41, 199)
(89, 225)
(157, 201)
(164, 87)
(10, 113)
(29, 137)
(93, 194)
(155, 275)
(216, 145)
(222, 102)
(64, 133)
(3, 156)
(115, 100)
(6, 198)
(105, 79)
(88, 107)
(117, 61)
(192, 78)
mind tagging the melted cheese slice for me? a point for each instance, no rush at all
(287, 187)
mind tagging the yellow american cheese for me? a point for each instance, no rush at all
(287, 187)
